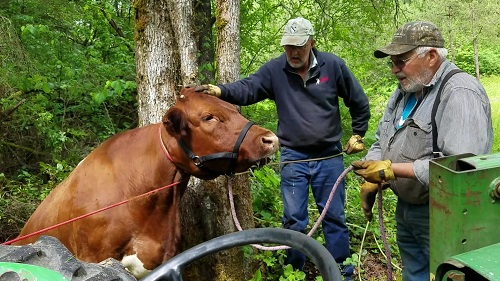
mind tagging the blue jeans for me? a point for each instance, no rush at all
(321, 176)
(412, 235)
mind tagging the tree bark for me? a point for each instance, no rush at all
(475, 35)
(167, 36)
(228, 43)
(204, 22)
(213, 217)
(156, 60)
(450, 34)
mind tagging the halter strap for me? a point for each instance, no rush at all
(163, 145)
(200, 160)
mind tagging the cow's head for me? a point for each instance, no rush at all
(210, 129)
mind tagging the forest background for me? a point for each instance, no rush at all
(68, 82)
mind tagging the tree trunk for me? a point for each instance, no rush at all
(228, 43)
(203, 24)
(156, 60)
(475, 43)
(213, 217)
(166, 46)
(450, 34)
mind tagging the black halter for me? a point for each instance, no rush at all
(233, 156)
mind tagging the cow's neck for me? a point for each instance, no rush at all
(162, 144)
(172, 152)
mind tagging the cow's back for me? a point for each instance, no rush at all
(124, 166)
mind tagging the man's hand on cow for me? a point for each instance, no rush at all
(374, 171)
(209, 89)
(354, 145)
(190, 88)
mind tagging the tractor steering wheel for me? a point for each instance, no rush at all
(171, 270)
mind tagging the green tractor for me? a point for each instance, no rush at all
(464, 201)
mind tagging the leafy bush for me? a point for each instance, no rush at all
(67, 82)
(489, 60)
(262, 113)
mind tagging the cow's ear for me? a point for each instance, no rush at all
(175, 122)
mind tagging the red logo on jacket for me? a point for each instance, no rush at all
(321, 80)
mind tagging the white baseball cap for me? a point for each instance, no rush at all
(296, 32)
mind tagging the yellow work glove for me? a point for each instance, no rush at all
(368, 194)
(209, 89)
(374, 171)
(354, 145)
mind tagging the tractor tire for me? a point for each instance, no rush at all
(48, 252)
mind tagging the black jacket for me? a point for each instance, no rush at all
(308, 113)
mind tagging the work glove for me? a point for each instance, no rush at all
(368, 194)
(354, 145)
(209, 89)
(374, 171)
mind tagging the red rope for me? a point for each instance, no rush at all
(86, 215)
(163, 145)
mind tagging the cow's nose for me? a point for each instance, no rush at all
(270, 141)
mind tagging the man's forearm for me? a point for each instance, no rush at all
(403, 170)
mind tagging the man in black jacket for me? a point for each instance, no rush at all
(306, 85)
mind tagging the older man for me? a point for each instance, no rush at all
(306, 86)
(460, 123)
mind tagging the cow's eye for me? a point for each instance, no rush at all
(208, 117)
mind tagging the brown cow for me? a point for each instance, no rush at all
(145, 232)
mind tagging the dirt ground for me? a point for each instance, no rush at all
(372, 269)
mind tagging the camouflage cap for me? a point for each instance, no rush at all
(296, 32)
(411, 35)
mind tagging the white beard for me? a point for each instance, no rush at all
(418, 83)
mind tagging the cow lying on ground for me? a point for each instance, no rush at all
(200, 136)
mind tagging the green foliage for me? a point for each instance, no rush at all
(257, 276)
(289, 274)
(67, 82)
(115, 92)
(352, 260)
(489, 60)
(266, 197)
(365, 239)
(348, 29)
(492, 87)
(271, 265)
(262, 113)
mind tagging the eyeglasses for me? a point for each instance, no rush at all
(401, 63)
(298, 48)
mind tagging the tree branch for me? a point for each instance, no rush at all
(113, 23)
(3, 116)
(115, 26)
(21, 147)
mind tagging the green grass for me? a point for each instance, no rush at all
(492, 86)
